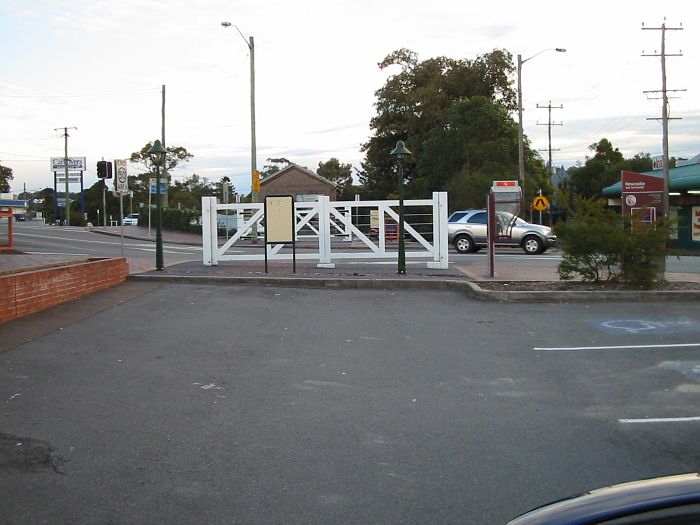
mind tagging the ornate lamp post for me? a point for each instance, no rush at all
(157, 155)
(400, 151)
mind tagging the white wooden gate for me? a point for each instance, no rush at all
(326, 225)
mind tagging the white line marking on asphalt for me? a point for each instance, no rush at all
(661, 420)
(622, 347)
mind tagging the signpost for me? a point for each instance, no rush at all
(642, 192)
(121, 185)
(506, 195)
(279, 224)
(74, 171)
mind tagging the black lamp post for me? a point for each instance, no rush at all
(157, 155)
(400, 152)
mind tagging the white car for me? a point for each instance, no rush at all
(131, 220)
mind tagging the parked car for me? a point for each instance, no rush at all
(670, 500)
(131, 220)
(467, 232)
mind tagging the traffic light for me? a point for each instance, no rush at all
(104, 169)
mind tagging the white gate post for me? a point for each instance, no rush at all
(210, 240)
(324, 233)
(440, 246)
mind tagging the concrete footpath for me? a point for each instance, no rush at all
(465, 276)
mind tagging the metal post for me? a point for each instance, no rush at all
(159, 233)
(66, 171)
(521, 145)
(402, 244)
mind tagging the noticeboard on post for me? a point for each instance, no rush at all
(279, 219)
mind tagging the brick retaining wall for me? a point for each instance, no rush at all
(35, 290)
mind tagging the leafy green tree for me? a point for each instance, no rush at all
(218, 189)
(339, 173)
(189, 193)
(602, 169)
(273, 166)
(414, 104)
(5, 177)
(175, 157)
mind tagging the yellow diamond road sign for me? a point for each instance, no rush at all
(540, 203)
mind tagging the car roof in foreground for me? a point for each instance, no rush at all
(617, 501)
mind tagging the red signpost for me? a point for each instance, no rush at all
(642, 192)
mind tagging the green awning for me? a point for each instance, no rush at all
(682, 178)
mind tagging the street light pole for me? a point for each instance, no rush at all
(521, 142)
(254, 177)
(400, 151)
(157, 154)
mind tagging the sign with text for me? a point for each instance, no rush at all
(121, 180)
(695, 220)
(74, 164)
(642, 192)
(154, 188)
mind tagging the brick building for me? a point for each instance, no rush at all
(299, 182)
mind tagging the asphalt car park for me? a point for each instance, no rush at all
(220, 404)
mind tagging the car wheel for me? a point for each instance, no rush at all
(532, 245)
(464, 244)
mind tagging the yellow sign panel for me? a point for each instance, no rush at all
(256, 180)
(540, 203)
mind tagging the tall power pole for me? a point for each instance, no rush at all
(65, 161)
(664, 101)
(549, 125)
(664, 121)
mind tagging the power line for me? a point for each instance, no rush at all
(82, 95)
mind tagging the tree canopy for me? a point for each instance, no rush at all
(602, 169)
(454, 115)
(339, 173)
(5, 177)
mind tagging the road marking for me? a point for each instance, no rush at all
(621, 347)
(638, 326)
(661, 420)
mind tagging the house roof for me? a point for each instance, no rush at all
(681, 178)
(290, 167)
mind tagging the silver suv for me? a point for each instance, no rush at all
(467, 231)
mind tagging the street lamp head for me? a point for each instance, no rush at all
(157, 153)
(560, 50)
(400, 150)
(226, 24)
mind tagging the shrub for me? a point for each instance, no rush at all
(599, 244)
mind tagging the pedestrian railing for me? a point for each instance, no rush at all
(328, 231)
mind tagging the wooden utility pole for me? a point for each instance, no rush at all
(664, 119)
(65, 161)
(549, 125)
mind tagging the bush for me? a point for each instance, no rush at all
(599, 244)
(172, 219)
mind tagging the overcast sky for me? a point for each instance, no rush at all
(98, 65)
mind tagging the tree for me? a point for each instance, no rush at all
(189, 193)
(218, 189)
(175, 157)
(274, 166)
(5, 177)
(339, 173)
(416, 103)
(602, 169)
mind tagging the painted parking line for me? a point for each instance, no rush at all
(647, 326)
(661, 420)
(618, 347)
